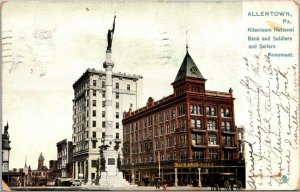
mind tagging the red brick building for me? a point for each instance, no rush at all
(190, 134)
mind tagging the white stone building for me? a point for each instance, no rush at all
(89, 116)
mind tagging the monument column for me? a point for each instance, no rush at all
(110, 175)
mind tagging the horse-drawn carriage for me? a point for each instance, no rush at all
(224, 180)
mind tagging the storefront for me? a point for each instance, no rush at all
(186, 173)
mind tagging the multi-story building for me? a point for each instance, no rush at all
(89, 116)
(64, 158)
(185, 136)
(241, 141)
(53, 171)
(5, 149)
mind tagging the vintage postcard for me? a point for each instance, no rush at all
(138, 95)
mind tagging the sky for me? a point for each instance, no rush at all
(46, 47)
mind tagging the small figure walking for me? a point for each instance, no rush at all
(158, 184)
(164, 184)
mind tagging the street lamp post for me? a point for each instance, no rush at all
(158, 156)
(199, 171)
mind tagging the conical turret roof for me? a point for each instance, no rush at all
(188, 68)
(41, 158)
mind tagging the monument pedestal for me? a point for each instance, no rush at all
(113, 180)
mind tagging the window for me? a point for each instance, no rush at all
(212, 139)
(196, 139)
(198, 154)
(174, 155)
(167, 116)
(103, 124)
(94, 103)
(94, 145)
(103, 94)
(181, 110)
(213, 154)
(150, 120)
(199, 140)
(103, 84)
(198, 123)
(87, 124)
(128, 87)
(196, 110)
(193, 123)
(173, 113)
(117, 85)
(174, 140)
(103, 114)
(94, 92)
(103, 103)
(228, 155)
(182, 155)
(225, 112)
(161, 130)
(117, 105)
(227, 141)
(173, 126)
(211, 125)
(103, 134)
(117, 136)
(182, 139)
(211, 111)
(94, 83)
(161, 117)
(94, 123)
(117, 115)
(117, 95)
(117, 125)
(168, 128)
(94, 113)
(94, 134)
(226, 125)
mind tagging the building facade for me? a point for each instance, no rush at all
(53, 171)
(89, 116)
(5, 149)
(241, 141)
(64, 158)
(185, 137)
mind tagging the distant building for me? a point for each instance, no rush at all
(64, 158)
(241, 142)
(5, 149)
(53, 171)
(38, 177)
(89, 116)
(190, 134)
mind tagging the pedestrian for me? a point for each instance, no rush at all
(164, 184)
(158, 184)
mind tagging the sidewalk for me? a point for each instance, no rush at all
(147, 188)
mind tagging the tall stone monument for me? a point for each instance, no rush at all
(110, 174)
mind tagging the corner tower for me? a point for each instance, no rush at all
(189, 77)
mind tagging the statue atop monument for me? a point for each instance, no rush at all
(110, 34)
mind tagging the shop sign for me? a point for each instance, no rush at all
(191, 165)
